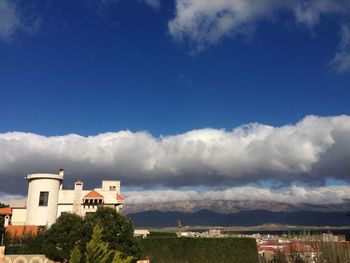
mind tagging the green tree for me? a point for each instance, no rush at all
(26, 243)
(70, 231)
(119, 259)
(13, 244)
(2, 230)
(63, 236)
(97, 251)
(33, 244)
(75, 255)
(118, 231)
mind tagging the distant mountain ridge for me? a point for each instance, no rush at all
(232, 206)
(241, 218)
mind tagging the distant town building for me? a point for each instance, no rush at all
(209, 233)
(47, 200)
(141, 233)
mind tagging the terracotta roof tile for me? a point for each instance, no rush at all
(120, 197)
(93, 194)
(5, 211)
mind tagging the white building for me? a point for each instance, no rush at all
(47, 200)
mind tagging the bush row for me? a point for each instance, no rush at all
(203, 250)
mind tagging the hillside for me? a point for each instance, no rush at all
(242, 218)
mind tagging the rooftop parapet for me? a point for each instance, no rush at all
(30, 177)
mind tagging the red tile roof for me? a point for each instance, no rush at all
(266, 249)
(5, 211)
(93, 194)
(19, 231)
(271, 243)
(120, 197)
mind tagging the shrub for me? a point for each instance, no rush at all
(193, 250)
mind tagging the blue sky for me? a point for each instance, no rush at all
(87, 67)
(168, 86)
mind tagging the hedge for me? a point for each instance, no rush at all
(203, 250)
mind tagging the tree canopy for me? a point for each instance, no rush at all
(72, 233)
(118, 231)
(68, 231)
(98, 251)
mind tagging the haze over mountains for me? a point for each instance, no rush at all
(237, 213)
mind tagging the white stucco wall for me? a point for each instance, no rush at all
(19, 216)
(64, 208)
(42, 215)
(107, 183)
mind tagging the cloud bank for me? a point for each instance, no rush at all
(310, 151)
(292, 195)
(202, 23)
(289, 195)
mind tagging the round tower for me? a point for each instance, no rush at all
(42, 200)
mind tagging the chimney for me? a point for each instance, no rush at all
(61, 172)
(78, 185)
(78, 197)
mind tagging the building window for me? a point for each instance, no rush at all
(43, 198)
(112, 188)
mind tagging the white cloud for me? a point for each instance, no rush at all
(14, 20)
(6, 198)
(155, 4)
(341, 60)
(310, 12)
(311, 150)
(9, 19)
(103, 5)
(290, 195)
(204, 22)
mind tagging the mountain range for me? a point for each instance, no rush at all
(237, 213)
(242, 218)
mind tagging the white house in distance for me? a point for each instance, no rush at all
(47, 200)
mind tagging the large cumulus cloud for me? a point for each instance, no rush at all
(311, 150)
